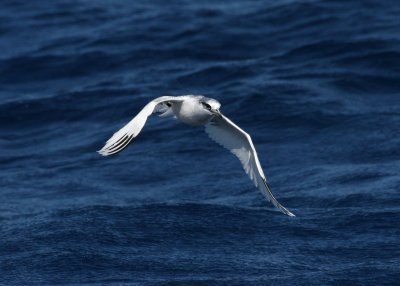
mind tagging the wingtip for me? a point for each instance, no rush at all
(102, 152)
(285, 211)
(291, 214)
(274, 201)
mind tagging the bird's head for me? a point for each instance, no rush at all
(211, 105)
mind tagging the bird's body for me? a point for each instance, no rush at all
(190, 112)
(199, 111)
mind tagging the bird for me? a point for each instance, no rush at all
(199, 111)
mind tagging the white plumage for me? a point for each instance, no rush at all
(199, 111)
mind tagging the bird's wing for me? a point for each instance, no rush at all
(232, 137)
(124, 136)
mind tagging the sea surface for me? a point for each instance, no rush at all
(316, 84)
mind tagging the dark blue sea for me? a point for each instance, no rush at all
(316, 84)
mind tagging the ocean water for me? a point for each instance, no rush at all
(316, 84)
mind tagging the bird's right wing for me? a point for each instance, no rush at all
(124, 136)
(232, 137)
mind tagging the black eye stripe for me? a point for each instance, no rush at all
(206, 105)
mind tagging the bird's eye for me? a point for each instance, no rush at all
(206, 105)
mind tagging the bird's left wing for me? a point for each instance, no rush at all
(232, 137)
(124, 136)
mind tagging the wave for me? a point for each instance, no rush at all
(315, 83)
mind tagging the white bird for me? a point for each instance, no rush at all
(199, 111)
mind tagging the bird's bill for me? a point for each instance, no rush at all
(216, 113)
